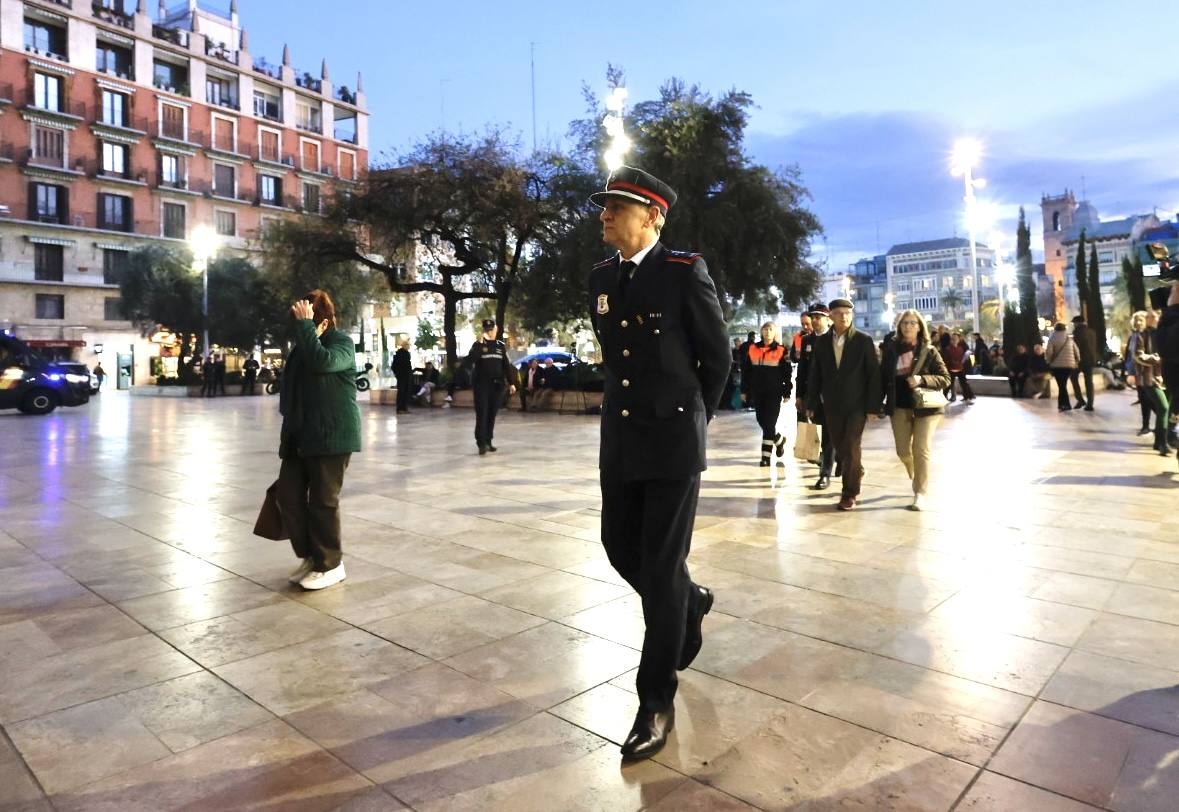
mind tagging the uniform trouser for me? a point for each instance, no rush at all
(847, 431)
(404, 392)
(1156, 396)
(1087, 372)
(248, 384)
(647, 532)
(488, 397)
(914, 441)
(767, 410)
(308, 497)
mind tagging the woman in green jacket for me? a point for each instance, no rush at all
(320, 432)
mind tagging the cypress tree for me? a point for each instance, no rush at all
(1096, 305)
(1028, 331)
(1082, 275)
(1135, 285)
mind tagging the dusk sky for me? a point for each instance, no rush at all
(867, 98)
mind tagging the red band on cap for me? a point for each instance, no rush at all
(632, 187)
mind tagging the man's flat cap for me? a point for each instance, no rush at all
(636, 186)
(834, 303)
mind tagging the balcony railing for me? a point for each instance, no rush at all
(61, 218)
(219, 50)
(50, 161)
(127, 75)
(46, 53)
(229, 104)
(68, 107)
(62, 3)
(114, 16)
(310, 126)
(172, 35)
(176, 132)
(345, 95)
(266, 69)
(180, 90)
(137, 123)
(174, 183)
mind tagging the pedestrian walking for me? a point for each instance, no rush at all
(845, 381)
(913, 377)
(1063, 359)
(1148, 371)
(658, 320)
(403, 371)
(208, 377)
(490, 373)
(249, 374)
(219, 373)
(957, 358)
(1086, 340)
(765, 375)
(320, 433)
(820, 324)
(1137, 325)
(804, 318)
(99, 373)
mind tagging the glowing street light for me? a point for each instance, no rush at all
(966, 156)
(203, 244)
(620, 143)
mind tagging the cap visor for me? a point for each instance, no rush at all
(599, 198)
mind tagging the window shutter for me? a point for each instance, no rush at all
(63, 204)
(32, 201)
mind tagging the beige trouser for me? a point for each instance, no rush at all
(914, 439)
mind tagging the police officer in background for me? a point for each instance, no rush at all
(820, 323)
(656, 315)
(490, 373)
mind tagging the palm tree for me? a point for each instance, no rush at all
(952, 301)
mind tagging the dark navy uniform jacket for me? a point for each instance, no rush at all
(489, 363)
(667, 359)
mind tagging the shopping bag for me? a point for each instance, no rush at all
(808, 443)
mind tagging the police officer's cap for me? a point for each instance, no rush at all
(841, 303)
(818, 309)
(488, 324)
(636, 186)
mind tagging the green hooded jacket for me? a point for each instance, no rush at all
(318, 397)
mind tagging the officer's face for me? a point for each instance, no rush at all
(623, 223)
(491, 332)
(820, 324)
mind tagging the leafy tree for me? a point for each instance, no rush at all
(1013, 330)
(750, 222)
(952, 301)
(1028, 329)
(1096, 318)
(1082, 276)
(427, 338)
(244, 310)
(160, 289)
(1135, 285)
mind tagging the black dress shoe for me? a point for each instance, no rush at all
(490, 447)
(694, 634)
(648, 734)
(823, 484)
(482, 450)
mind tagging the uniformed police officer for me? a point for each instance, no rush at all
(765, 380)
(656, 315)
(490, 373)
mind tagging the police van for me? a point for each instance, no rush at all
(34, 385)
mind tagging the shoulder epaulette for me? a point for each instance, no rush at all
(606, 261)
(684, 257)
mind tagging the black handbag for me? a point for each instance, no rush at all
(270, 524)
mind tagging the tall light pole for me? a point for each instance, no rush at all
(966, 155)
(203, 243)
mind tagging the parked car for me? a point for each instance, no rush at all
(34, 385)
(78, 368)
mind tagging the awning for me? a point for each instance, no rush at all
(52, 342)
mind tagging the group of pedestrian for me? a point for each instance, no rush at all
(537, 379)
(213, 375)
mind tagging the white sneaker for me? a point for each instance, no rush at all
(322, 580)
(918, 502)
(301, 573)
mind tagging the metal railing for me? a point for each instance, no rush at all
(219, 50)
(266, 69)
(177, 183)
(308, 82)
(345, 95)
(137, 123)
(175, 132)
(118, 17)
(180, 90)
(175, 36)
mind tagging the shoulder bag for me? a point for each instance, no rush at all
(924, 398)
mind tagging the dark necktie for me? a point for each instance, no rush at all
(626, 270)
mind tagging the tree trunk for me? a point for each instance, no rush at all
(449, 310)
(501, 304)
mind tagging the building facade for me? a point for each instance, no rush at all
(935, 278)
(117, 130)
(869, 287)
(1058, 212)
(1114, 239)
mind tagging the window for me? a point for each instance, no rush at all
(114, 159)
(968, 282)
(48, 146)
(222, 92)
(114, 108)
(45, 38)
(925, 303)
(223, 134)
(114, 266)
(174, 221)
(268, 146)
(114, 60)
(48, 263)
(902, 286)
(926, 283)
(226, 223)
(1056, 221)
(50, 306)
(311, 156)
(270, 190)
(114, 212)
(47, 92)
(345, 129)
(112, 309)
(171, 172)
(308, 116)
(347, 165)
(311, 197)
(267, 104)
(48, 203)
(223, 180)
(173, 78)
(172, 122)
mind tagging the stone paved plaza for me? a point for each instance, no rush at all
(1015, 647)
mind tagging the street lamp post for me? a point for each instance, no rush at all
(967, 152)
(203, 243)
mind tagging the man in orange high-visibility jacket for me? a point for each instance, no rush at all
(765, 380)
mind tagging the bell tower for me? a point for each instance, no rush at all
(1059, 212)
